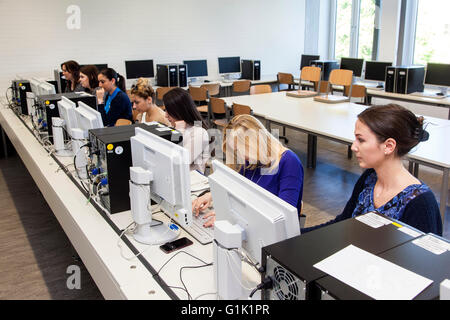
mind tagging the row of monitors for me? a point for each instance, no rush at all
(437, 74)
(196, 68)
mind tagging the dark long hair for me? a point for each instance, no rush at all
(91, 72)
(396, 122)
(179, 105)
(74, 68)
(112, 74)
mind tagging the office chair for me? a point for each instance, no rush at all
(286, 78)
(213, 89)
(338, 77)
(239, 109)
(241, 87)
(260, 88)
(122, 122)
(160, 92)
(200, 97)
(218, 107)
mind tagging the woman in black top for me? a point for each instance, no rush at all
(384, 134)
(115, 103)
(71, 71)
(89, 79)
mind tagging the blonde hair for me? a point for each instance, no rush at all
(143, 89)
(246, 137)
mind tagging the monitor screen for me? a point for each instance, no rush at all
(229, 64)
(376, 70)
(353, 64)
(196, 68)
(306, 60)
(264, 217)
(438, 74)
(139, 68)
(169, 165)
(88, 118)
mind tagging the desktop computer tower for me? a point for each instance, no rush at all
(404, 79)
(20, 89)
(112, 149)
(326, 66)
(47, 108)
(167, 75)
(251, 69)
(182, 75)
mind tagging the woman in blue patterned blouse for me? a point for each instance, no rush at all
(384, 134)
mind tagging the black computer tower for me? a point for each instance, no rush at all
(251, 69)
(20, 89)
(405, 79)
(390, 81)
(112, 149)
(327, 66)
(182, 75)
(167, 75)
(47, 108)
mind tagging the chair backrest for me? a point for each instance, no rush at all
(285, 78)
(358, 91)
(241, 109)
(241, 86)
(217, 105)
(123, 122)
(341, 77)
(260, 88)
(213, 88)
(323, 86)
(161, 91)
(198, 93)
(135, 113)
(311, 74)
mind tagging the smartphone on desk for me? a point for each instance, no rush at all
(175, 245)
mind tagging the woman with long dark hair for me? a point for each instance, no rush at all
(71, 72)
(89, 79)
(182, 113)
(115, 103)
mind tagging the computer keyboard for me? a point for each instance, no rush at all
(198, 231)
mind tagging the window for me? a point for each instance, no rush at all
(432, 32)
(355, 22)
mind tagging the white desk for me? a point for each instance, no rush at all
(337, 121)
(95, 236)
(444, 103)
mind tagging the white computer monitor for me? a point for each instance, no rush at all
(35, 86)
(47, 88)
(264, 217)
(169, 164)
(88, 118)
(66, 110)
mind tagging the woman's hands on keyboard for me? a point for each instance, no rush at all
(202, 204)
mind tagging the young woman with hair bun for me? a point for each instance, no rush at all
(113, 102)
(384, 134)
(142, 98)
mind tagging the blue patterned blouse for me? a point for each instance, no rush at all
(395, 207)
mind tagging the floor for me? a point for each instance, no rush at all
(35, 252)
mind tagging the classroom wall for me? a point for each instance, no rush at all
(35, 37)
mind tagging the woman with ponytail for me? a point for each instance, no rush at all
(113, 102)
(384, 134)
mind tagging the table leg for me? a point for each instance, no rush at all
(312, 151)
(5, 146)
(444, 193)
(416, 170)
(410, 166)
(349, 152)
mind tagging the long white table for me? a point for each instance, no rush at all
(95, 233)
(337, 121)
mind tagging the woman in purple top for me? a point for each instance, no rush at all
(256, 154)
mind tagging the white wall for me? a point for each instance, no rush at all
(389, 30)
(35, 38)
